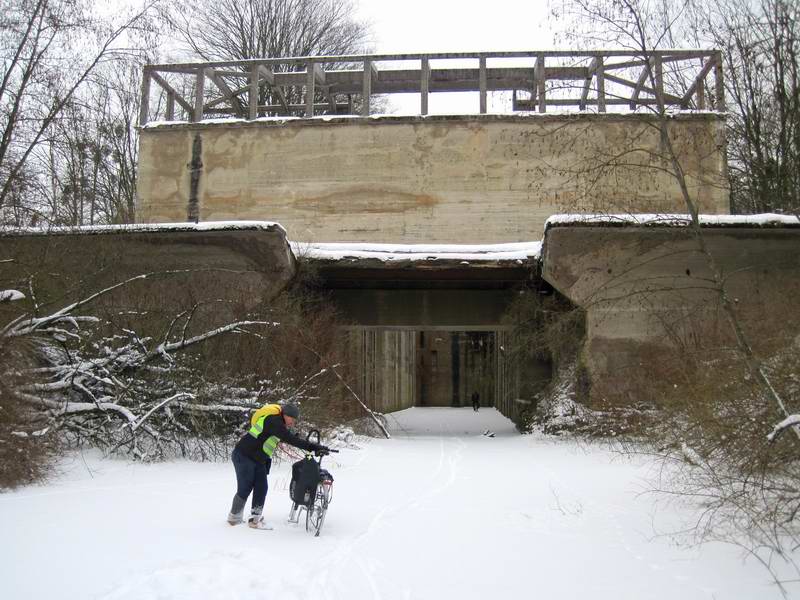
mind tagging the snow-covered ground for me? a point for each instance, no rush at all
(439, 511)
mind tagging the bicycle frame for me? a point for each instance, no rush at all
(317, 507)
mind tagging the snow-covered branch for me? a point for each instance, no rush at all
(790, 421)
(11, 295)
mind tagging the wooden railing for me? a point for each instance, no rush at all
(535, 81)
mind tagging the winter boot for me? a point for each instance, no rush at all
(256, 521)
(237, 509)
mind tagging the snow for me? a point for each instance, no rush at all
(522, 251)
(438, 511)
(461, 115)
(790, 421)
(11, 295)
(674, 220)
(148, 227)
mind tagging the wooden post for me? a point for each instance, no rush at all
(310, 88)
(482, 83)
(587, 84)
(701, 94)
(253, 96)
(658, 66)
(170, 106)
(199, 94)
(144, 108)
(601, 85)
(540, 82)
(719, 82)
(366, 90)
(424, 85)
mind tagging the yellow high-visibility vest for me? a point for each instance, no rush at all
(257, 426)
(265, 411)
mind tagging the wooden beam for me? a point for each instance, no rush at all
(539, 70)
(659, 81)
(588, 83)
(331, 100)
(670, 55)
(255, 89)
(640, 83)
(170, 90)
(310, 88)
(170, 106)
(424, 83)
(698, 82)
(669, 98)
(719, 82)
(319, 74)
(700, 94)
(601, 85)
(199, 92)
(482, 85)
(318, 106)
(366, 90)
(144, 105)
(369, 80)
(269, 77)
(236, 103)
(267, 74)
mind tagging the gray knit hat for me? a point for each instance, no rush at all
(291, 410)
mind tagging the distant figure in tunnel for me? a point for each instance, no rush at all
(476, 400)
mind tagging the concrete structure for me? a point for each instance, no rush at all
(467, 179)
(647, 286)
(216, 271)
(427, 323)
(431, 331)
(309, 85)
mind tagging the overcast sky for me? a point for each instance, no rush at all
(457, 25)
(420, 26)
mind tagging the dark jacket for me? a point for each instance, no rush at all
(252, 447)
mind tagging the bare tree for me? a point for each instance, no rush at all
(761, 43)
(50, 50)
(245, 29)
(730, 400)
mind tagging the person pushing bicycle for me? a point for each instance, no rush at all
(252, 458)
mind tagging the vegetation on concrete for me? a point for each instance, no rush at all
(545, 326)
(101, 372)
(719, 399)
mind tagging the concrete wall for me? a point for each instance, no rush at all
(382, 364)
(648, 289)
(477, 179)
(219, 274)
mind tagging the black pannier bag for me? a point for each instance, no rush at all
(305, 478)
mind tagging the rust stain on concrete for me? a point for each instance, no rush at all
(366, 200)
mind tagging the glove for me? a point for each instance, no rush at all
(321, 450)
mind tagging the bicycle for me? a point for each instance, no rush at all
(311, 490)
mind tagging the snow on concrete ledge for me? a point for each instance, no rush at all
(671, 220)
(518, 116)
(147, 228)
(518, 253)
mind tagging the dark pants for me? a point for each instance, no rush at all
(251, 476)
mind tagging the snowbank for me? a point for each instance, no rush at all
(439, 511)
(515, 252)
(148, 227)
(673, 220)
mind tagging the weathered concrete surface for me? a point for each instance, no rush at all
(647, 289)
(219, 273)
(430, 332)
(477, 179)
